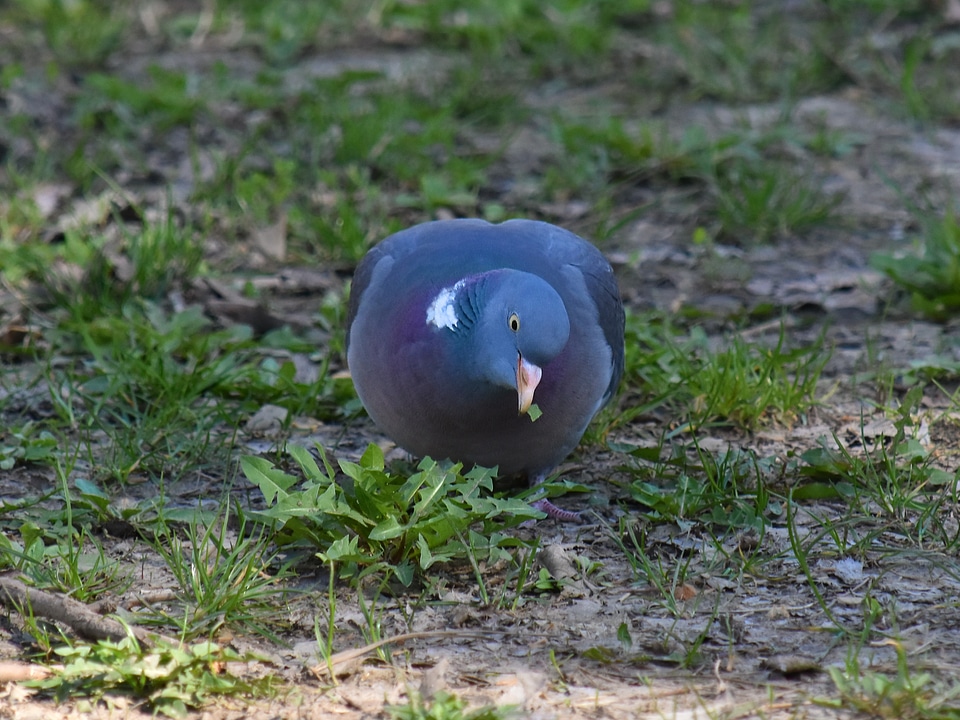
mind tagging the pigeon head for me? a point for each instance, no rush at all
(506, 325)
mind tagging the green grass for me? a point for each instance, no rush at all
(897, 483)
(745, 384)
(447, 706)
(752, 187)
(165, 388)
(228, 578)
(739, 53)
(930, 273)
(223, 580)
(908, 693)
(719, 490)
(759, 201)
(83, 33)
(722, 507)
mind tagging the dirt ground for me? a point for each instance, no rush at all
(765, 642)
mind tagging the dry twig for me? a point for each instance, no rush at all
(72, 613)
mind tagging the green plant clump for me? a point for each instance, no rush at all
(743, 384)
(377, 521)
(933, 277)
(911, 693)
(445, 706)
(898, 480)
(26, 444)
(171, 678)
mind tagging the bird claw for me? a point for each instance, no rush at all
(552, 511)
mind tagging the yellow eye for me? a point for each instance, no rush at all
(514, 322)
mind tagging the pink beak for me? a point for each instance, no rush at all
(528, 377)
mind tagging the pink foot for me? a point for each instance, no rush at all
(556, 513)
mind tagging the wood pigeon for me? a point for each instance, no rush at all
(457, 328)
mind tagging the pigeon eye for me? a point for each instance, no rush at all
(514, 322)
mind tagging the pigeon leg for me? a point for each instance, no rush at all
(552, 511)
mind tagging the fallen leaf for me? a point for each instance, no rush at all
(267, 421)
(791, 664)
(271, 240)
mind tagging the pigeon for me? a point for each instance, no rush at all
(486, 344)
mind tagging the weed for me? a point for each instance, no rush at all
(933, 277)
(911, 694)
(738, 54)
(554, 36)
(521, 565)
(260, 194)
(622, 654)
(58, 553)
(226, 578)
(171, 678)
(749, 385)
(801, 549)
(667, 578)
(913, 65)
(284, 30)
(755, 194)
(75, 563)
(147, 389)
(727, 494)
(350, 221)
(120, 107)
(607, 152)
(827, 141)
(742, 384)
(84, 32)
(324, 636)
(364, 148)
(897, 480)
(756, 202)
(446, 706)
(708, 488)
(148, 262)
(378, 521)
(26, 444)
(21, 257)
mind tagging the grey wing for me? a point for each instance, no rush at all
(360, 283)
(602, 286)
(606, 295)
(376, 266)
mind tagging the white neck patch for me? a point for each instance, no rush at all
(442, 312)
